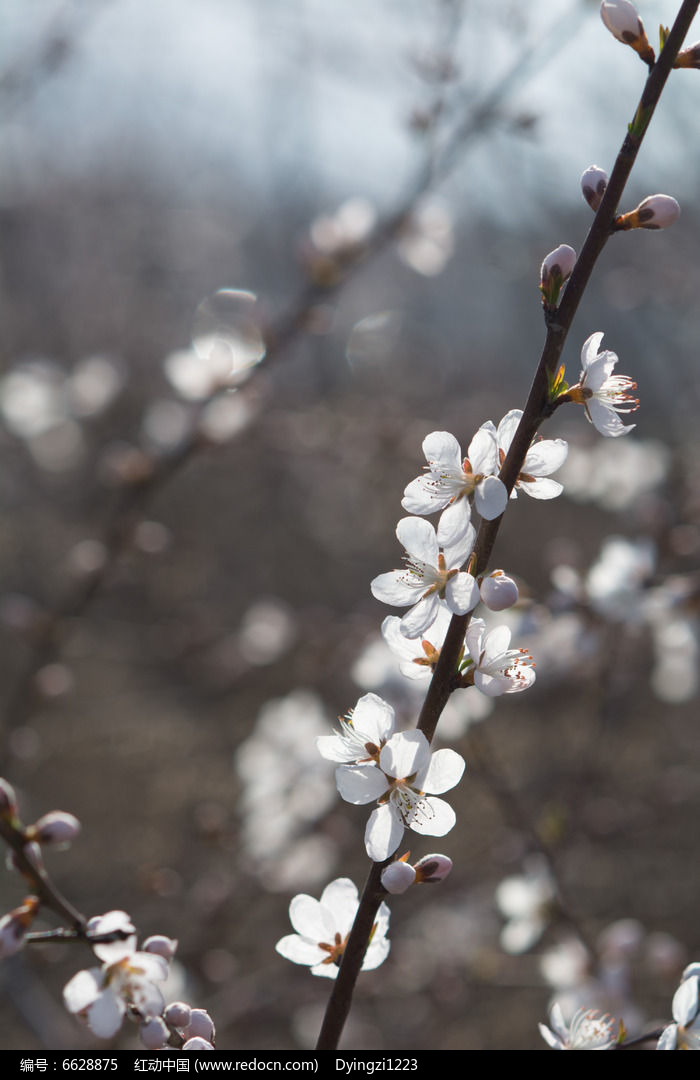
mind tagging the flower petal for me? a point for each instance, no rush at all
(105, 1014)
(444, 772)
(383, 833)
(405, 753)
(462, 594)
(421, 616)
(340, 900)
(541, 488)
(483, 452)
(309, 919)
(437, 822)
(360, 784)
(398, 588)
(454, 523)
(441, 448)
(491, 497)
(299, 950)
(419, 539)
(606, 420)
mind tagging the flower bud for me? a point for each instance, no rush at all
(688, 58)
(593, 184)
(161, 946)
(432, 868)
(397, 877)
(498, 591)
(14, 927)
(56, 827)
(622, 20)
(177, 1014)
(654, 212)
(201, 1024)
(154, 1033)
(555, 270)
(8, 801)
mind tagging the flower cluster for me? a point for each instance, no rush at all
(126, 983)
(394, 769)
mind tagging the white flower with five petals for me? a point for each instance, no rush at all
(497, 668)
(602, 394)
(362, 734)
(322, 928)
(588, 1030)
(449, 482)
(431, 576)
(417, 656)
(404, 784)
(126, 979)
(544, 457)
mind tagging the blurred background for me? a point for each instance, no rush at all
(357, 197)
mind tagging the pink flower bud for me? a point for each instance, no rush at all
(432, 869)
(622, 20)
(593, 184)
(14, 927)
(555, 270)
(397, 877)
(177, 1014)
(657, 212)
(154, 1033)
(8, 800)
(688, 58)
(654, 212)
(161, 946)
(201, 1024)
(56, 827)
(498, 591)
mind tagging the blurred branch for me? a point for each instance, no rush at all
(54, 49)
(440, 158)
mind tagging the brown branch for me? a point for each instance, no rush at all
(536, 410)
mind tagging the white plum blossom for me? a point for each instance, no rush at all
(450, 481)
(417, 657)
(430, 578)
(602, 394)
(322, 928)
(588, 1030)
(403, 785)
(544, 457)
(362, 734)
(526, 902)
(684, 1033)
(497, 668)
(126, 979)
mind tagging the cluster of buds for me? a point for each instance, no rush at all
(56, 829)
(126, 984)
